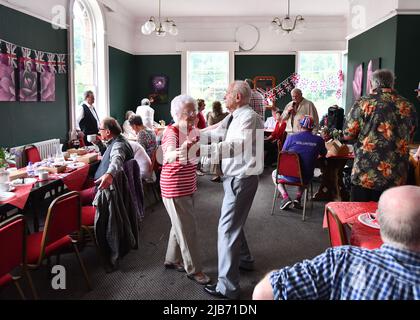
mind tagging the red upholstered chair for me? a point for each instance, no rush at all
(288, 164)
(32, 154)
(336, 231)
(63, 220)
(88, 224)
(13, 253)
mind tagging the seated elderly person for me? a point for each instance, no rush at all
(128, 131)
(145, 137)
(350, 273)
(309, 147)
(271, 142)
(270, 123)
(217, 114)
(143, 160)
(115, 152)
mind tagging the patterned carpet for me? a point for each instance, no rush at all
(275, 241)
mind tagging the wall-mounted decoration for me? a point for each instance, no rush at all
(27, 74)
(373, 65)
(7, 79)
(159, 86)
(358, 82)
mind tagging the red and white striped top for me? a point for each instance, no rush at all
(177, 179)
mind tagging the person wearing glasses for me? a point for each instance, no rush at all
(115, 150)
(178, 183)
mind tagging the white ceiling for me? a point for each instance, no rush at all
(226, 8)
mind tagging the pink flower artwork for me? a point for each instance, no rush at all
(372, 67)
(28, 84)
(7, 80)
(358, 82)
(47, 86)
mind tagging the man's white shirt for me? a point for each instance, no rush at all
(80, 114)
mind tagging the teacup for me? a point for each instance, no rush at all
(4, 187)
(91, 138)
(43, 175)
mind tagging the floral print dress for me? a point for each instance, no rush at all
(382, 124)
(147, 139)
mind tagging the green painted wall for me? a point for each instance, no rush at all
(278, 66)
(149, 65)
(121, 83)
(378, 42)
(407, 63)
(22, 123)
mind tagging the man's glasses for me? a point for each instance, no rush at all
(101, 129)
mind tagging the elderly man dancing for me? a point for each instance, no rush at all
(242, 157)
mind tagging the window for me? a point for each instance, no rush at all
(89, 56)
(84, 51)
(207, 76)
(319, 78)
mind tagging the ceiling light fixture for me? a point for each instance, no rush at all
(158, 27)
(288, 25)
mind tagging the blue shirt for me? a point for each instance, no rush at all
(309, 147)
(351, 273)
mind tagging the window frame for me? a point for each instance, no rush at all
(100, 61)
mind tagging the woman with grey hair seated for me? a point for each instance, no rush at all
(128, 132)
(145, 137)
(178, 183)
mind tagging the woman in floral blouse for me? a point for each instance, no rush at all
(145, 136)
(382, 125)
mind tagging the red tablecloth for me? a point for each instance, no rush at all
(347, 212)
(22, 195)
(365, 237)
(75, 180)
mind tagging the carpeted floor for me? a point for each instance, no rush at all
(275, 241)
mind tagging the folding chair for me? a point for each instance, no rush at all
(288, 164)
(13, 253)
(336, 231)
(63, 220)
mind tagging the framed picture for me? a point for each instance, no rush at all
(373, 65)
(264, 82)
(159, 85)
(358, 82)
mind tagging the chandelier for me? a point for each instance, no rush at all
(287, 25)
(158, 27)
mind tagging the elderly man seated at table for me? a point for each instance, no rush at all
(350, 273)
(115, 150)
(309, 147)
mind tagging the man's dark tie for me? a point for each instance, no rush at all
(229, 122)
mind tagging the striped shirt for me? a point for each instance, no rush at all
(177, 179)
(351, 273)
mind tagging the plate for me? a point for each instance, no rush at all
(4, 196)
(19, 182)
(76, 165)
(366, 219)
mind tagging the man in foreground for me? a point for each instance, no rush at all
(350, 273)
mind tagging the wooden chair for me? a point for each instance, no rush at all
(13, 253)
(288, 164)
(62, 221)
(336, 230)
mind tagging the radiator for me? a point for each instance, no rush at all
(47, 148)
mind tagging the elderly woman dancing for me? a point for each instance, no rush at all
(178, 184)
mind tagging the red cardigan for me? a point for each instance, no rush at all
(278, 131)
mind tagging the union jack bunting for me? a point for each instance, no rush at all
(51, 62)
(61, 63)
(39, 61)
(27, 60)
(11, 54)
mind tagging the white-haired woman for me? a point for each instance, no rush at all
(178, 183)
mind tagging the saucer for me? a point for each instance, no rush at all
(4, 196)
(366, 219)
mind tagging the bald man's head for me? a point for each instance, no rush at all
(399, 217)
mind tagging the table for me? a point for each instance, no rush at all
(347, 213)
(332, 187)
(31, 197)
